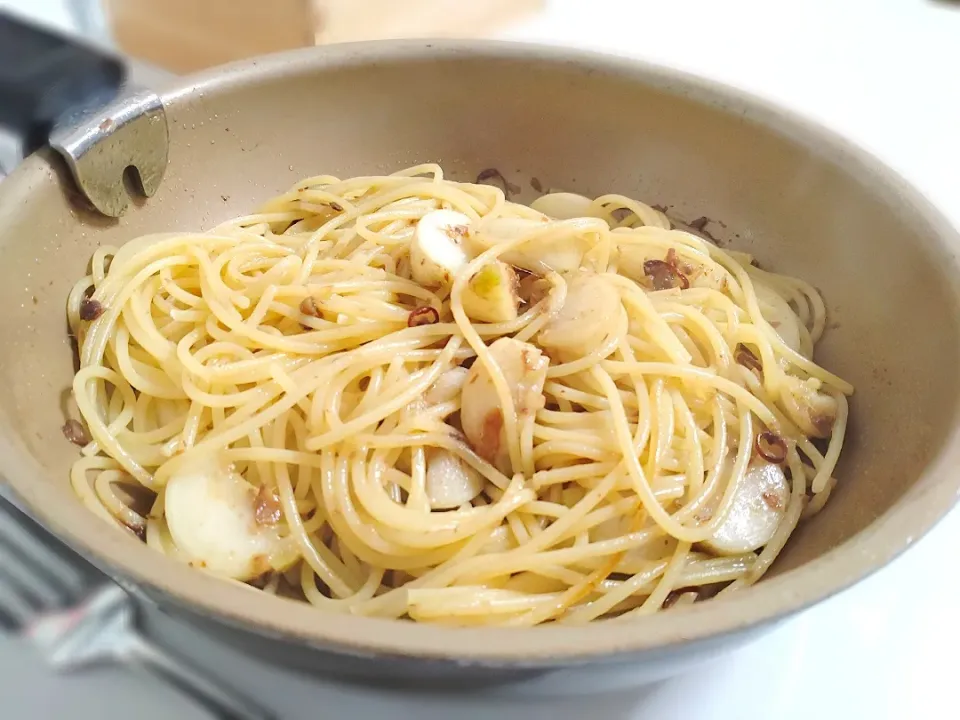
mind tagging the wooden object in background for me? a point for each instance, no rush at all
(187, 35)
(346, 20)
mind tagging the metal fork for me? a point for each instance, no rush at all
(77, 617)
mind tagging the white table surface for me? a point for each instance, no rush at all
(884, 72)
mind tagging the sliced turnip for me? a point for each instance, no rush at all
(554, 245)
(524, 368)
(221, 522)
(758, 508)
(437, 252)
(450, 482)
(563, 205)
(491, 294)
(814, 412)
(447, 386)
(589, 313)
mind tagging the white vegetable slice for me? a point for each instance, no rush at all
(450, 482)
(639, 558)
(524, 368)
(757, 510)
(560, 245)
(776, 311)
(563, 205)
(437, 252)
(501, 540)
(814, 412)
(491, 294)
(700, 274)
(212, 514)
(447, 386)
(589, 313)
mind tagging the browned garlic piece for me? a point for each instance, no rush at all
(491, 294)
(524, 368)
(814, 412)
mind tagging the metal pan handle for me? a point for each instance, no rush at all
(62, 91)
(120, 151)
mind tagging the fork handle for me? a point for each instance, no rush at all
(190, 680)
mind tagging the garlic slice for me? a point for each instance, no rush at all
(563, 205)
(447, 386)
(779, 314)
(437, 252)
(559, 246)
(450, 482)
(589, 313)
(491, 294)
(524, 368)
(211, 512)
(758, 508)
(814, 412)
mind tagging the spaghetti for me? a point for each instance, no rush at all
(404, 396)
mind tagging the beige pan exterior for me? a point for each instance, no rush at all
(804, 201)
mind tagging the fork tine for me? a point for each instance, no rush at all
(42, 570)
(18, 575)
(14, 612)
(23, 538)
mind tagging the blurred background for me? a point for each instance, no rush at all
(184, 36)
(852, 64)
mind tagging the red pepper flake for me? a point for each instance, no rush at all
(664, 276)
(423, 316)
(744, 356)
(673, 260)
(90, 309)
(771, 447)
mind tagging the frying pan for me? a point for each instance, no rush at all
(768, 182)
